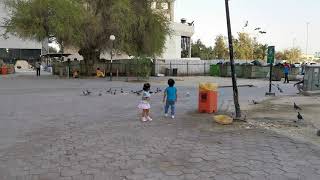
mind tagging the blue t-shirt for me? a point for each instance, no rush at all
(171, 94)
(286, 70)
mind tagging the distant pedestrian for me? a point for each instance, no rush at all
(286, 72)
(170, 98)
(144, 105)
(38, 68)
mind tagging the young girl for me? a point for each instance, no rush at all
(145, 103)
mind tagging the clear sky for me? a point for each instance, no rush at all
(285, 21)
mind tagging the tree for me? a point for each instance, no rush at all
(220, 49)
(88, 24)
(198, 49)
(292, 55)
(40, 19)
(244, 47)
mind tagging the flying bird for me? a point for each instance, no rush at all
(262, 32)
(296, 107)
(246, 24)
(256, 29)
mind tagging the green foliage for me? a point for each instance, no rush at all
(198, 49)
(39, 19)
(292, 55)
(220, 49)
(243, 47)
(141, 67)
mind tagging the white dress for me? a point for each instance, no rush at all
(144, 103)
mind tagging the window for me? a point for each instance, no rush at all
(185, 46)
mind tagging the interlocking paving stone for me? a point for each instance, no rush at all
(64, 136)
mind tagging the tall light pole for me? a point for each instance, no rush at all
(307, 46)
(234, 79)
(112, 39)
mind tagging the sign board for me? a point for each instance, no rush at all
(271, 54)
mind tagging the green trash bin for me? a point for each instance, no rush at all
(214, 70)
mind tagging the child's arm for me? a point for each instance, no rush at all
(164, 96)
(176, 96)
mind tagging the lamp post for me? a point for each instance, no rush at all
(307, 46)
(234, 79)
(112, 39)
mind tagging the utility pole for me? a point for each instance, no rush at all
(307, 46)
(234, 79)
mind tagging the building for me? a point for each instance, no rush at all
(178, 44)
(317, 55)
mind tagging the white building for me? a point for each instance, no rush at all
(178, 44)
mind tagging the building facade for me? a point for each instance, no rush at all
(178, 44)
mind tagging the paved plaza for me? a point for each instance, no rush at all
(49, 131)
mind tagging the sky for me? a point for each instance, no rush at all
(285, 21)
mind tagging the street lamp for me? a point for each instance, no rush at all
(112, 39)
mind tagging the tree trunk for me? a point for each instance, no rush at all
(90, 56)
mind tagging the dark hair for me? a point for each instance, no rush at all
(98, 68)
(146, 87)
(171, 82)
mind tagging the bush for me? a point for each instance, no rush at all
(141, 67)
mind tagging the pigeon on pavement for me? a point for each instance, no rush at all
(296, 107)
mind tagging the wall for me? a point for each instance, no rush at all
(184, 66)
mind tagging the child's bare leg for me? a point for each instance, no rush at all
(148, 115)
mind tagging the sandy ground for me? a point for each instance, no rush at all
(277, 114)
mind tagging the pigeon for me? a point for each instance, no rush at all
(299, 116)
(121, 90)
(255, 102)
(87, 92)
(100, 94)
(317, 85)
(84, 93)
(296, 107)
(115, 92)
(109, 91)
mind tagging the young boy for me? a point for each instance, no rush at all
(170, 98)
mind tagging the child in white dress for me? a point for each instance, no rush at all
(145, 103)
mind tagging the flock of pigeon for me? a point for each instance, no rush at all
(115, 91)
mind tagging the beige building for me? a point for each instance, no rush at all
(178, 44)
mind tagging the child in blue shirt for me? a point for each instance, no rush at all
(170, 98)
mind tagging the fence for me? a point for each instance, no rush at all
(182, 69)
